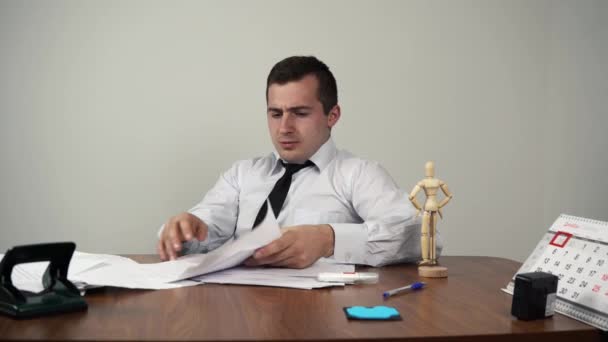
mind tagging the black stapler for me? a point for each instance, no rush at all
(59, 294)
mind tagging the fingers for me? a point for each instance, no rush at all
(250, 262)
(291, 262)
(178, 229)
(172, 239)
(186, 230)
(274, 252)
(164, 249)
(191, 228)
(298, 247)
(275, 247)
(201, 232)
(271, 260)
(171, 253)
(175, 237)
(160, 248)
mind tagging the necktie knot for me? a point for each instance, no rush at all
(291, 168)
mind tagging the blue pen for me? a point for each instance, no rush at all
(413, 287)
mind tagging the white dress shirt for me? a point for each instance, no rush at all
(374, 223)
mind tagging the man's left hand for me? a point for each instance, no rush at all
(298, 247)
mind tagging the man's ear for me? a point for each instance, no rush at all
(333, 116)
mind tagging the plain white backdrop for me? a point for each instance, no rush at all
(115, 115)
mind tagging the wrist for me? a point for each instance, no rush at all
(329, 239)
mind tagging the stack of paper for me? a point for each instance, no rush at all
(172, 273)
(28, 276)
(280, 277)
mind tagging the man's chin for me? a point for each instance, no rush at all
(292, 156)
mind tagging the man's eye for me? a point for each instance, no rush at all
(275, 115)
(301, 113)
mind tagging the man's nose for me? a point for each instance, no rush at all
(286, 123)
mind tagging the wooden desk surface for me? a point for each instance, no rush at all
(466, 306)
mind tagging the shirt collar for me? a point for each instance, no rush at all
(324, 155)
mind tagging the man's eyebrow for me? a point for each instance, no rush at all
(290, 109)
(293, 109)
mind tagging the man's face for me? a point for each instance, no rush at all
(296, 121)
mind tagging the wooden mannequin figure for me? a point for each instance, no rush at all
(429, 267)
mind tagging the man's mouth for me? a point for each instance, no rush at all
(288, 144)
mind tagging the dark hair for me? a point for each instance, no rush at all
(295, 68)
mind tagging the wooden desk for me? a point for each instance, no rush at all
(466, 306)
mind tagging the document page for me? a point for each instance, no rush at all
(158, 275)
(280, 277)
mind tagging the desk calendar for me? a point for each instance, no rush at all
(575, 249)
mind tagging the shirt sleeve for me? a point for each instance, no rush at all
(390, 231)
(219, 210)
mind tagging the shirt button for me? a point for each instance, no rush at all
(347, 256)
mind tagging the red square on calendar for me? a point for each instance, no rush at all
(560, 239)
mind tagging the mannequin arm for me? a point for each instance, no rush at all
(446, 192)
(412, 197)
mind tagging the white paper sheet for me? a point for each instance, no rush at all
(289, 282)
(279, 277)
(159, 275)
(28, 276)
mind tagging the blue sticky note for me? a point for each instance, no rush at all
(381, 313)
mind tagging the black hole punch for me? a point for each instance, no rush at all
(59, 294)
(534, 295)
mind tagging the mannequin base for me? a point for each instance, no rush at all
(433, 271)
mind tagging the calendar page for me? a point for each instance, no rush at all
(575, 249)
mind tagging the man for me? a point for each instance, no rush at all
(332, 204)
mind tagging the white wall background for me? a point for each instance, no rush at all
(115, 115)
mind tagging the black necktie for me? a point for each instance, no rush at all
(279, 192)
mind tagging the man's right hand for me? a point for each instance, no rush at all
(179, 228)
